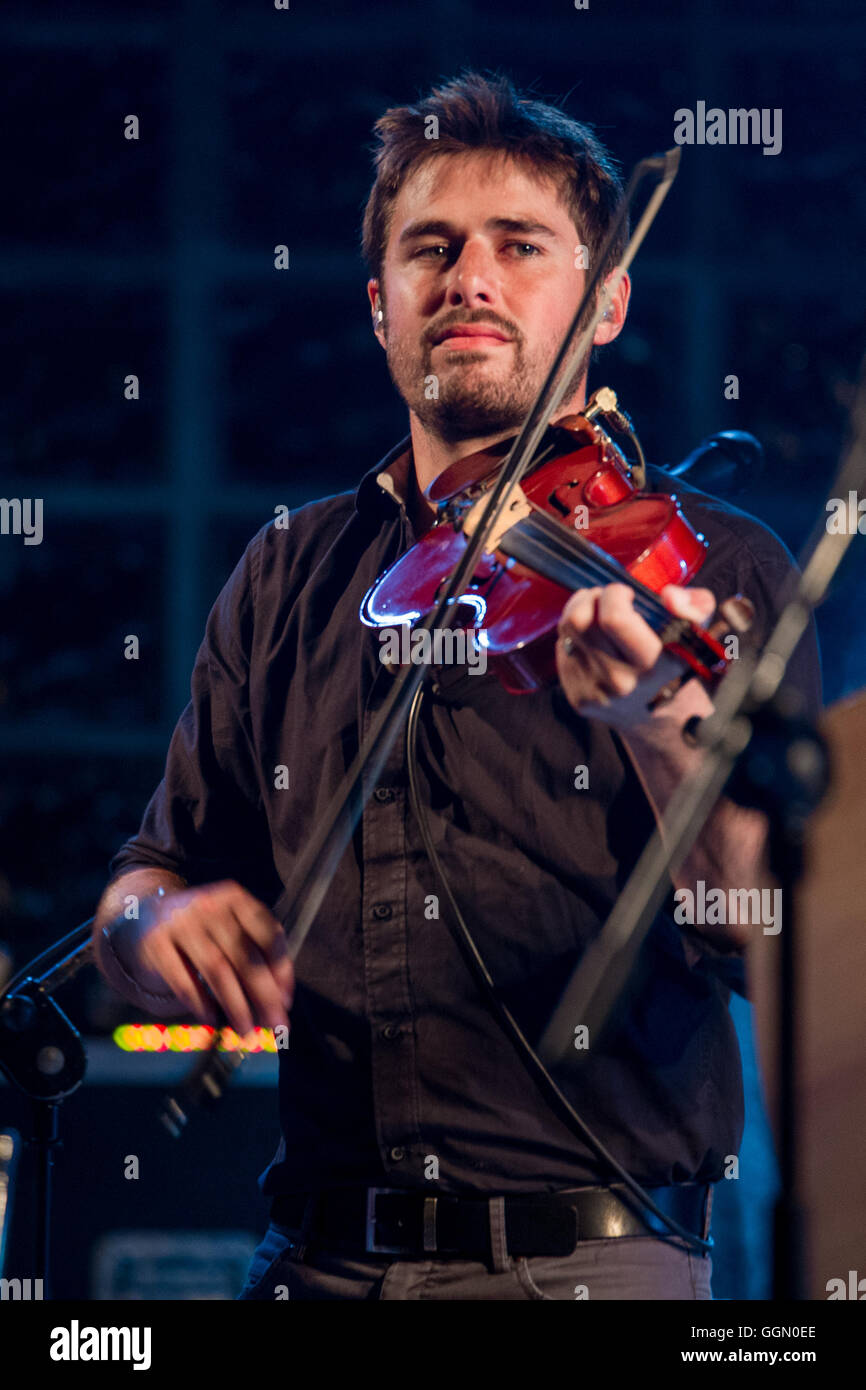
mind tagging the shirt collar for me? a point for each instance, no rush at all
(383, 498)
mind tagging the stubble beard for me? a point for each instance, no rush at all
(465, 400)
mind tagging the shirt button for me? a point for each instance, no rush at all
(398, 1153)
(382, 911)
(384, 794)
(390, 1031)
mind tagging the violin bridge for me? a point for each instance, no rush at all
(516, 508)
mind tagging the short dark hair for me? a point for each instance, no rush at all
(484, 111)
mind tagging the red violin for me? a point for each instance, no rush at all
(579, 518)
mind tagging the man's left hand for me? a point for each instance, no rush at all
(615, 665)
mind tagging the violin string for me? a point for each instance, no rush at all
(646, 603)
(595, 559)
(589, 566)
(656, 615)
(537, 555)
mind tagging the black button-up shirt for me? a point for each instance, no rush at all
(395, 1059)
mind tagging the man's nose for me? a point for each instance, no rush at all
(473, 278)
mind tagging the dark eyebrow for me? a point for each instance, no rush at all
(431, 227)
(520, 224)
(438, 227)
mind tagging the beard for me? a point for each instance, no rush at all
(467, 397)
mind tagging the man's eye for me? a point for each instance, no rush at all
(426, 251)
(527, 246)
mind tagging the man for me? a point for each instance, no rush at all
(398, 1075)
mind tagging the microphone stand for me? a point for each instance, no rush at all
(761, 751)
(43, 1055)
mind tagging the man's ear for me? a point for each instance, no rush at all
(611, 325)
(377, 310)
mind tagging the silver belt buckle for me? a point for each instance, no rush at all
(371, 1246)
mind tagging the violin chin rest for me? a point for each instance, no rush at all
(575, 423)
(463, 473)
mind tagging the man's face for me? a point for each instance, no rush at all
(476, 242)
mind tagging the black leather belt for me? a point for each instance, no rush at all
(394, 1221)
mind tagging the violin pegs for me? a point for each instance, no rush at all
(736, 614)
(739, 611)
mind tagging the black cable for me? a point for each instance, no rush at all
(531, 1060)
(641, 459)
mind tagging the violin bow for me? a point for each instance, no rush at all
(322, 854)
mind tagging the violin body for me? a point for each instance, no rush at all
(582, 488)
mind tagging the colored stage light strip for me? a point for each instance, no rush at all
(183, 1037)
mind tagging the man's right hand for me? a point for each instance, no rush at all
(210, 945)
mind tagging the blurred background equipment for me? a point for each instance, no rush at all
(727, 464)
(10, 1148)
(135, 1209)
